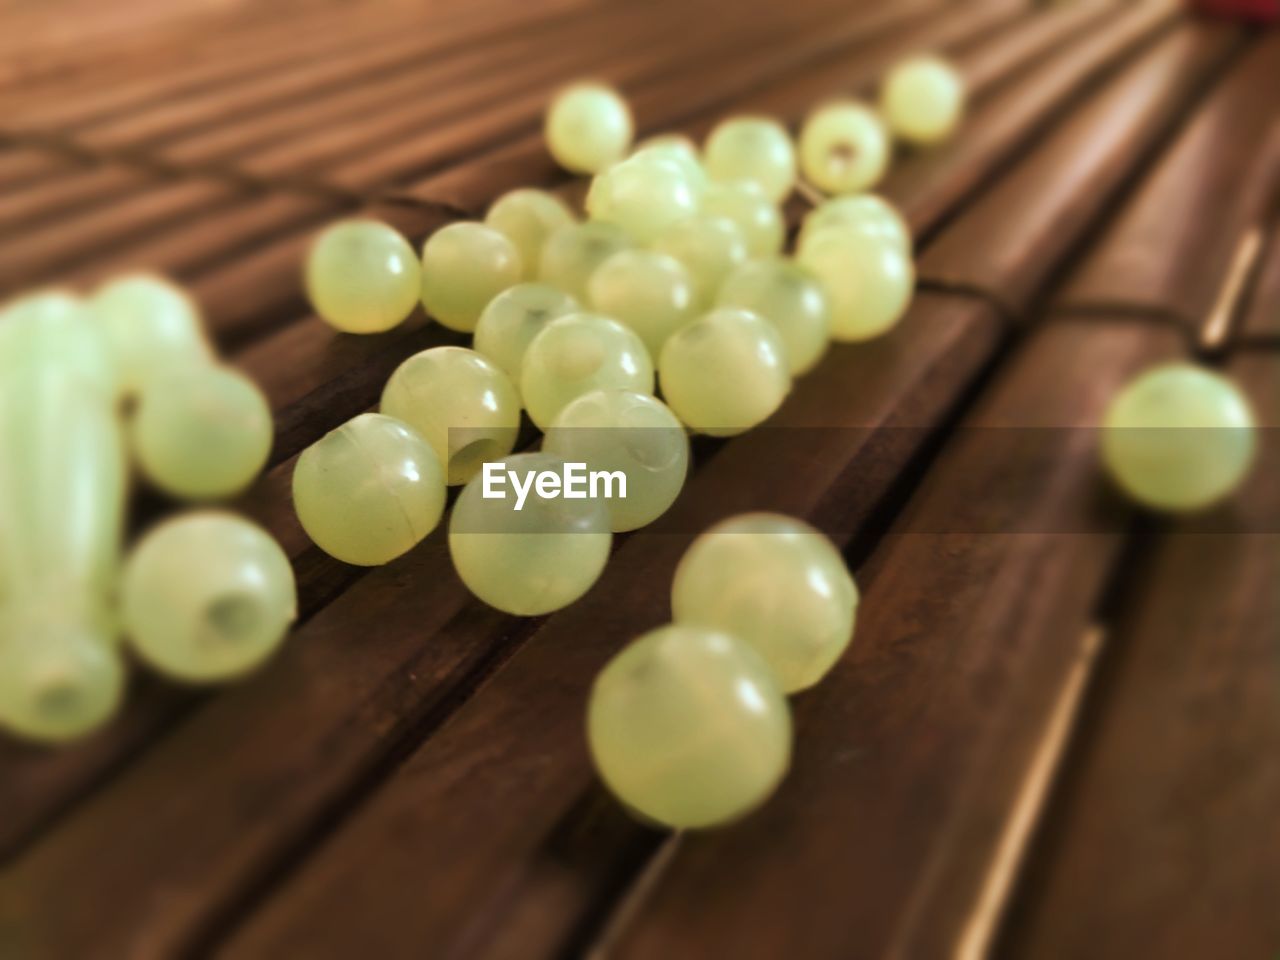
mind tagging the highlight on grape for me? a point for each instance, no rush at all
(573, 481)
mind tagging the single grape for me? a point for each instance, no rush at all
(464, 266)
(776, 583)
(869, 280)
(576, 354)
(527, 217)
(688, 727)
(648, 291)
(513, 318)
(54, 329)
(756, 149)
(369, 491)
(151, 326)
(461, 404)
(644, 195)
(745, 204)
(632, 433)
(363, 276)
(866, 212)
(724, 372)
(572, 254)
(1179, 438)
(680, 150)
(588, 126)
(202, 431)
(532, 556)
(710, 248)
(844, 147)
(207, 596)
(791, 299)
(923, 99)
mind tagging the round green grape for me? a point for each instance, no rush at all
(527, 217)
(680, 150)
(709, 247)
(725, 372)
(464, 266)
(151, 326)
(363, 276)
(791, 299)
(631, 433)
(869, 280)
(844, 148)
(756, 149)
(1179, 438)
(776, 583)
(866, 212)
(588, 127)
(572, 254)
(527, 556)
(513, 318)
(688, 727)
(369, 491)
(644, 195)
(461, 404)
(648, 291)
(207, 596)
(745, 204)
(923, 99)
(54, 329)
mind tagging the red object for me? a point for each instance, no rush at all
(1260, 11)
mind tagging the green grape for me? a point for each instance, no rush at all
(724, 372)
(745, 204)
(644, 195)
(869, 280)
(202, 431)
(572, 254)
(527, 217)
(650, 292)
(688, 727)
(513, 318)
(776, 583)
(576, 354)
(461, 404)
(1179, 438)
(369, 491)
(791, 299)
(681, 151)
(151, 326)
(922, 99)
(588, 127)
(866, 212)
(53, 329)
(207, 596)
(632, 433)
(464, 266)
(756, 149)
(844, 148)
(363, 276)
(532, 555)
(710, 248)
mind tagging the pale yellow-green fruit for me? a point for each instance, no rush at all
(576, 354)
(532, 555)
(758, 218)
(644, 195)
(572, 254)
(724, 372)
(869, 280)
(363, 276)
(688, 727)
(461, 403)
(464, 266)
(756, 149)
(650, 292)
(790, 298)
(54, 329)
(710, 247)
(844, 147)
(776, 583)
(865, 212)
(922, 99)
(1179, 438)
(513, 318)
(527, 217)
(633, 434)
(680, 150)
(151, 326)
(588, 127)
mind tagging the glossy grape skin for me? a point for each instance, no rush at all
(756, 149)
(513, 318)
(1179, 438)
(151, 326)
(56, 328)
(576, 354)
(791, 299)
(710, 248)
(648, 291)
(464, 266)
(527, 217)
(688, 727)
(362, 276)
(865, 212)
(745, 204)
(635, 433)
(369, 491)
(207, 596)
(203, 431)
(776, 583)
(572, 254)
(588, 127)
(869, 281)
(844, 148)
(922, 99)
(724, 372)
(644, 195)
(461, 403)
(534, 560)
(679, 150)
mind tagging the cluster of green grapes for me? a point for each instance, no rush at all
(86, 385)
